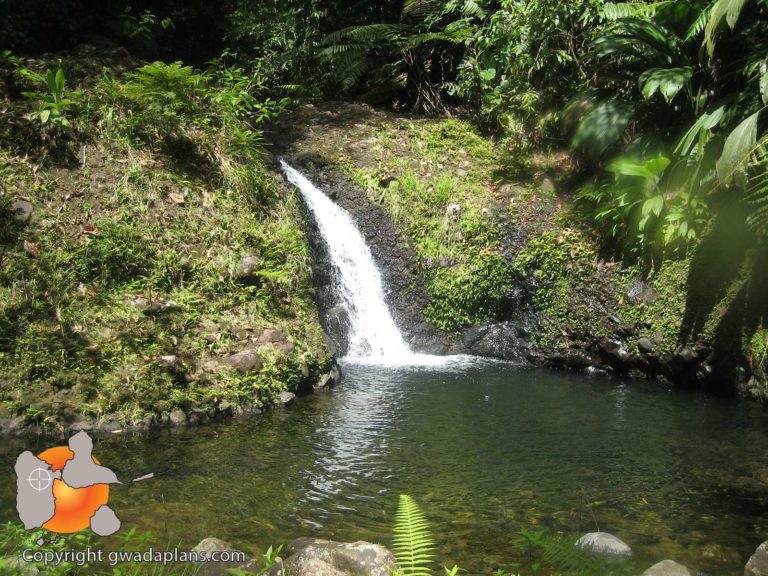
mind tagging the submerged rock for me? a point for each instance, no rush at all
(667, 568)
(603, 543)
(313, 557)
(758, 562)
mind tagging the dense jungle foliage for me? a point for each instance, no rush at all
(661, 104)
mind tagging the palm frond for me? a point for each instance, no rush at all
(412, 543)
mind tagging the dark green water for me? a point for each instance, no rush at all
(486, 450)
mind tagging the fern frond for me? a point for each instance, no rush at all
(412, 543)
(561, 553)
(422, 7)
(369, 34)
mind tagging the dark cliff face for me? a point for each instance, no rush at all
(403, 289)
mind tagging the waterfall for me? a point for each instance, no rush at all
(373, 333)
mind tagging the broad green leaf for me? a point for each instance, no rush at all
(668, 81)
(723, 11)
(45, 116)
(764, 82)
(654, 204)
(651, 169)
(705, 122)
(737, 147)
(602, 127)
(488, 74)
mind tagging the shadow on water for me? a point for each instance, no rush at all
(487, 451)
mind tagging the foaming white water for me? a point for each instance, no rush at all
(373, 336)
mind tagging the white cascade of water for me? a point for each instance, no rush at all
(372, 333)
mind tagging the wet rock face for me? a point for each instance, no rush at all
(403, 288)
(313, 557)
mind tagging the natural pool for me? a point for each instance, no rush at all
(486, 449)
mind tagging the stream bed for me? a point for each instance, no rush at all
(487, 450)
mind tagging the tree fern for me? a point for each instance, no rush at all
(412, 543)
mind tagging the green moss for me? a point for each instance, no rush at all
(465, 296)
(660, 321)
(572, 285)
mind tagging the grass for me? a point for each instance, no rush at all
(160, 217)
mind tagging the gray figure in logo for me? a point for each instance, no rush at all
(82, 471)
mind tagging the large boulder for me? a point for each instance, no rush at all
(603, 543)
(313, 557)
(667, 568)
(758, 562)
(209, 546)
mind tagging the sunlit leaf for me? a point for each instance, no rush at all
(737, 147)
(602, 127)
(667, 81)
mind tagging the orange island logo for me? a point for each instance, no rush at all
(65, 489)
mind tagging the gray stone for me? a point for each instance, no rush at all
(313, 557)
(271, 335)
(547, 185)
(603, 543)
(667, 568)
(284, 348)
(210, 545)
(155, 306)
(245, 361)
(178, 417)
(247, 268)
(511, 190)
(645, 345)
(286, 398)
(22, 210)
(757, 565)
(169, 362)
(326, 381)
(210, 366)
(641, 291)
